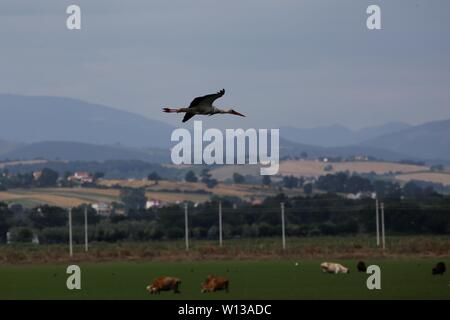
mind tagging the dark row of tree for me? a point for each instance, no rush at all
(326, 214)
(46, 178)
(113, 169)
(205, 177)
(352, 183)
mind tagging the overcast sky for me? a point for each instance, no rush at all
(298, 63)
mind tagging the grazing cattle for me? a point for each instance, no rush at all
(214, 283)
(164, 284)
(439, 269)
(331, 267)
(361, 266)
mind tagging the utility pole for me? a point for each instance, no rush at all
(377, 221)
(86, 245)
(283, 234)
(186, 227)
(220, 223)
(70, 232)
(382, 226)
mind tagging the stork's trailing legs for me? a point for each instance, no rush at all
(173, 110)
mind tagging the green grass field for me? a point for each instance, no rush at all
(274, 279)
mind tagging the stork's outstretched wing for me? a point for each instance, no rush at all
(208, 99)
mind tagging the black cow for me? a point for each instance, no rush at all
(439, 269)
(361, 266)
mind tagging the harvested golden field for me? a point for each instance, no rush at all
(221, 189)
(435, 177)
(33, 198)
(25, 162)
(226, 172)
(317, 168)
(163, 188)
(67, 197)
(144, 183)
(313, 168)
(84, 191)
(173, 197)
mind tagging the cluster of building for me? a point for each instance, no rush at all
(77, 177)
(357, 157)
(81, 177)
(106, 209)
(102, 208)
(361, 195)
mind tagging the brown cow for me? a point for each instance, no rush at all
(164, 284)
(215, 283)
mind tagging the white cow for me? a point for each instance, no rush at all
(331, 267)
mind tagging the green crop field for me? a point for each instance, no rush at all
(274, 279)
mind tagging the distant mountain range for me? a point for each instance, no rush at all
(69, 129)
(339, 136)
(35, 119)
(6, 146)
(289, 148)
(79, 151)
(427, 141)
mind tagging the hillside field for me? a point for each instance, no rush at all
(165, 191)
(69, 197)
(21, 163)
(434, 177)
(315, 168)
(179, 191)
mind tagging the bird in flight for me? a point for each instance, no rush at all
(204, 106)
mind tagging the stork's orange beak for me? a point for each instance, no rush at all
(237, 113)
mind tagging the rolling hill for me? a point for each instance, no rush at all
(338, 136)
(32, 119)
(6, 146)
(78, 151)
(313, 168)
(396, 141)
(428, 141)
(71, 129)
(292, 149)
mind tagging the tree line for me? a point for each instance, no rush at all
(318, 215)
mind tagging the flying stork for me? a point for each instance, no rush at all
(203, 105)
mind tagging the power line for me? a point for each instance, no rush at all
(186, 226)
(283, 231)
(382, 226)
(377, 219)
(220, 223)
(70, 233)
(86, 246)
